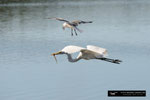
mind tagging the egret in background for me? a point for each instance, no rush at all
(91, 52)
(72, 25)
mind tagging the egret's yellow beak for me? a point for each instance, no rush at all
(57, 53)
(53, 54)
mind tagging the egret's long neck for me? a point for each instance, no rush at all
(71, 59)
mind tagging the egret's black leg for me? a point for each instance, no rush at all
(71, 32)
(117, 61)
(75, 32)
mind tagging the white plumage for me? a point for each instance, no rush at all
(71, 49)
(91, 52)
(99, 50)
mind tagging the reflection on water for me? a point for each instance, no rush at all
(27, 38)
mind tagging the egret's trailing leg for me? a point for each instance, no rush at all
(117, 61)
(75, 32)
(71, 32)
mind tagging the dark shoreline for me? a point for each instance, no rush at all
(25, 1)
(41, 1)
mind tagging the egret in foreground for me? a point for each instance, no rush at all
(91, 52)
(72, 25)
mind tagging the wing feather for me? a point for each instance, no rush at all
(80, 22)
(99, 50)
(60, 19)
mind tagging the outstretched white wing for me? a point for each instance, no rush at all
(71, 49)
(96, 49)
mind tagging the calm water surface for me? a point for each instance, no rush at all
(27, 38)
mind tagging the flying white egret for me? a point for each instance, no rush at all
(72, 25)
(91, 52)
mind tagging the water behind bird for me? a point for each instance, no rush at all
(27, 39)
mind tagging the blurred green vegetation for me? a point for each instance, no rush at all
(24, 1)
(38, 1)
